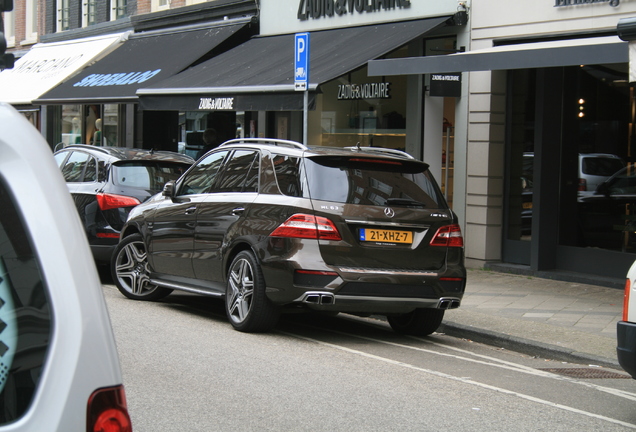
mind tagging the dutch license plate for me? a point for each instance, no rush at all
(385, 236)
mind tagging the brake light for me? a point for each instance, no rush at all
(307, 226)
(626, 300)
(107, 411)
(111, 201)
(582, 185)
(449, 236)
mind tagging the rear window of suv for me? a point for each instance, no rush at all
(359, 180)
(25, 316)
(146, 175)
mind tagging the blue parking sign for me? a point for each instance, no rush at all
(301, 59)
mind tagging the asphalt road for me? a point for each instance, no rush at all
(186, 369)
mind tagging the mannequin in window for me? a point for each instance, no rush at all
(97, 136)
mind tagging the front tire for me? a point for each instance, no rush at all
(420, 322)
(129, 268)
(246, 305)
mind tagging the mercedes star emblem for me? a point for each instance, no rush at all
(389, 212)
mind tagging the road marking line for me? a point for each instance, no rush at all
(463, 380)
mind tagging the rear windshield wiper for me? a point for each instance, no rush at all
(405, 202)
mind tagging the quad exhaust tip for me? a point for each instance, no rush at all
(319, 299)
(448, 303)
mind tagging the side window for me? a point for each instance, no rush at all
(73, 170)
(24, 314)
(201, 177)
(59, 158)
(90, 174)
(287, 175)
(240, 173)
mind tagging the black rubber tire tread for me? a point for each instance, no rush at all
(151, 292)
(262, 315)
(420, 322)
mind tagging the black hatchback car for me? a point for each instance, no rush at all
(106, 182)
(273, 226)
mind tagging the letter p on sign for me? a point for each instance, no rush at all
(301, 59)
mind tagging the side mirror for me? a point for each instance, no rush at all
(168, 189)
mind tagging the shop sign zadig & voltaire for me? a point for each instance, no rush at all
(328, 8)
(364, 91)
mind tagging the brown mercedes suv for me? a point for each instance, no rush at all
(273, 225)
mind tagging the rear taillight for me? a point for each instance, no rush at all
(111, 201)
(626, 300)
(307, 226)
(582, 185)
(449, 236)
(107, 411)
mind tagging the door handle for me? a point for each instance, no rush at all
(237, 211)
(190, 210)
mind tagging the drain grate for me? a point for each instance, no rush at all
(587, 373)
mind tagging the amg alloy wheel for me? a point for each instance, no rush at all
(420, 322)
(246, 305)
(129, 267)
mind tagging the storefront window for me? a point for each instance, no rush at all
(110, 125)
(595, 178)
(71, 125)
(521, 155)
(367, 110)
(598, 191)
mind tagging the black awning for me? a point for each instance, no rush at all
(266, 64)
(142, 60)
(572, 52)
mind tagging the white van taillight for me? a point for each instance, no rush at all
(626, 300)
(448, 236)
(307, 226)
(582, 185)
(107, 411)
(111, 201)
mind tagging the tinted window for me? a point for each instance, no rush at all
(152, 176)
(240, 173)
(90, 174)
(24, 314)
(287, 169)
(601, 166)
(351, 182)
(200, 178)
(73, 170)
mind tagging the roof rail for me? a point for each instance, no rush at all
(87, 146)
(271, 141)
(381, 150)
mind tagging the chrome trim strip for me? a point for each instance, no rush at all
(389, 272)
(387, 223)
(421, 301)
(185, 288)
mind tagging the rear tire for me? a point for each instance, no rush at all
(420, 322)
(129, 268)
(247, 306)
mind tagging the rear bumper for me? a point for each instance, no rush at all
(103, 253)
(366, 291)
(626, 348)
(326, 301)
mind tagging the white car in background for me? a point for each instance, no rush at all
(626, 328)
(59, 368)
